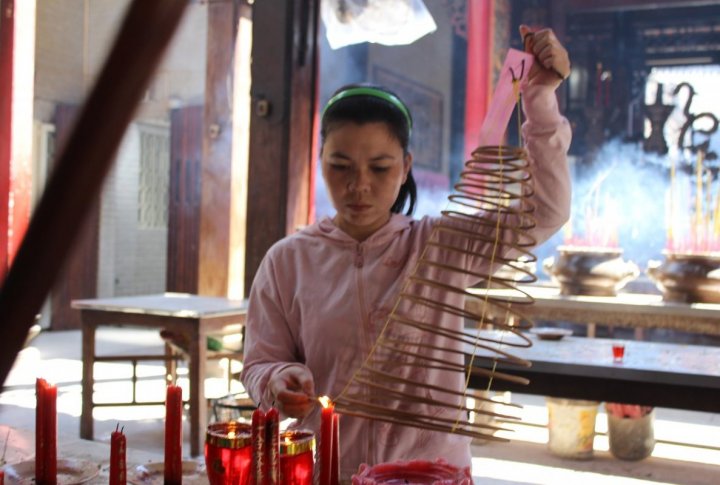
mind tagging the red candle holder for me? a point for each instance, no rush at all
(296, 457)
(416, 472)
(228, 453)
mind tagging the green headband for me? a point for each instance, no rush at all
(378, 93)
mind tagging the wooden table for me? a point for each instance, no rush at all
(192, 316)
(652, 373)
(626, 309)
(21, 448)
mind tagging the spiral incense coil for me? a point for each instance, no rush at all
(486, 227)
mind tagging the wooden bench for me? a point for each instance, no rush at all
(652, 373)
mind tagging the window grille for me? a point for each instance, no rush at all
(154, 175)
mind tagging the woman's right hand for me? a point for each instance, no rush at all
(293, 389)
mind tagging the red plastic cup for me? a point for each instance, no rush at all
(618, 351)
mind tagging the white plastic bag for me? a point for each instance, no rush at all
(388, 22)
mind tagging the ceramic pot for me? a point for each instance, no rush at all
(687, 278)
(590, 271)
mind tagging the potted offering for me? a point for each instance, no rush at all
(413, 473)
(687, 277)
(595, 271)
(630, 430)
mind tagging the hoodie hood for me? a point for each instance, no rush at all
(326, 228)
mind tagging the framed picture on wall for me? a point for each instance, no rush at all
(426, 106)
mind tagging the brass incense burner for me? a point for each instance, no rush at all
(594, 271)
(687, 277)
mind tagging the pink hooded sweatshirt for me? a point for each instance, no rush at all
(320, 299)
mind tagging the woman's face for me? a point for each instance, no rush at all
(363, 166)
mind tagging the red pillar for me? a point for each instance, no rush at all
(7, 31)
(480, 25)
(17, 67)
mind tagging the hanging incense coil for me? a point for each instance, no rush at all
(485, 227)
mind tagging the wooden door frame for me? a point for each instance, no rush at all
(283, 97)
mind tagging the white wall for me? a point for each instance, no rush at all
(73, 39)
(427, 62)
(132, 258)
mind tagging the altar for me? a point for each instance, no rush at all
(653, 373)
(633, 310)
(88, 461)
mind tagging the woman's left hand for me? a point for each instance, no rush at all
(552, 63)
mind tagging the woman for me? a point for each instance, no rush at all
(321, 296)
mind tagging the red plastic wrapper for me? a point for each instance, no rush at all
(412, 473)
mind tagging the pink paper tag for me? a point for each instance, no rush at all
(516, 66)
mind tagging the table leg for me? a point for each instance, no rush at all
(196, 373)
(170, 364)
(88, 360)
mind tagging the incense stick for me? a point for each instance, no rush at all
(383, 386)
(409, 416)
(387, 376)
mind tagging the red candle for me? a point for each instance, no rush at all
(335, 460)
(272, 450)
(598, 85)
(607, 90)
(40, 410)
(173, 435)
(296, 457)
(258, 447)
(2, 477)
(326, 440)
(118, 470)
(45, 433)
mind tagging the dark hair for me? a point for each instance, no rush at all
(368, 103)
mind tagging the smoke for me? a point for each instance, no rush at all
(620, 189)
(623, 186)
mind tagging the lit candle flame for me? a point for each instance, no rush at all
(325, 401)
(288, 440)
(231, 434)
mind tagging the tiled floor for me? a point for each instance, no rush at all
(687, 452)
